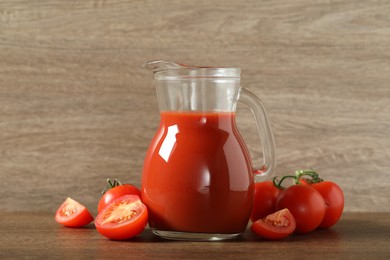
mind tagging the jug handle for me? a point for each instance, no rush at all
(267, 170)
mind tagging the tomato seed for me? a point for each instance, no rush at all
(124, 218)
(277, 223)
(67, 211)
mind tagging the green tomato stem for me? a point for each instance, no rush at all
(279, 183)
(314, 177)
(111, 184)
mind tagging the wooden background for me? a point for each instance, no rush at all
(76, 107)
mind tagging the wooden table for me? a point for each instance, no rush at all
(37, 235)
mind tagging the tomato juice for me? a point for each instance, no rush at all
(197, 174)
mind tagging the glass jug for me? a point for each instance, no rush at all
(198, 179)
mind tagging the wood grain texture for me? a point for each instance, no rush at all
(76, 107)
(356, 236)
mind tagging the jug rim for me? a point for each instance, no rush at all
(196, 73)
(172, 70)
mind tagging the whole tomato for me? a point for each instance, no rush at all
(116, 190)
(334, 201)
(266, 194)
(330, 191)
(306, 205)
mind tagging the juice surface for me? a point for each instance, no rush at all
(197, 174)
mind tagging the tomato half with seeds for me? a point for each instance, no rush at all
(275, 226)
(124, 218)
(73, 214)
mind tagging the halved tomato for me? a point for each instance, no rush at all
(275, 226)
(124, 218)
(72, 214)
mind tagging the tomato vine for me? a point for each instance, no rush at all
(300, 177)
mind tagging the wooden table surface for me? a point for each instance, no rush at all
(37, 235)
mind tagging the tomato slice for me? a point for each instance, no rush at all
(275, 226)
(124, 218)
(72, 214)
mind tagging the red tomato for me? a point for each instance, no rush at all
(124, 218)
(116, 192)
(304, 182)
(72, 214)
(275, 226)
(305, 204)
(334, 201)
(266, 194)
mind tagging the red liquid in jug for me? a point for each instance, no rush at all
(197, 175)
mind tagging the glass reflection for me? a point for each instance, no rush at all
(168, 143)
